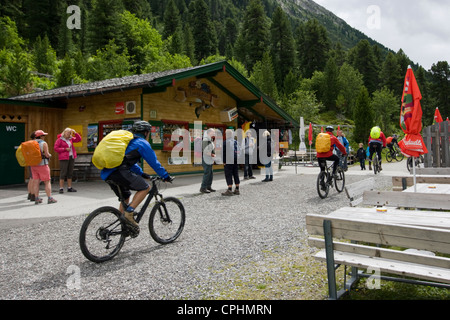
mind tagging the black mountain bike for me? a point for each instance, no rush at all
(418, 162)
(394, 153)
(376, 163)
(325, 180)
(105, 230)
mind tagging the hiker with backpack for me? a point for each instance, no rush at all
(41, 171)
(325, 144)
(377, 141)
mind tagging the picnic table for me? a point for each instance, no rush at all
(407, 244)
(437, 188)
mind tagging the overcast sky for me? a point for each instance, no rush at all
(421, 28)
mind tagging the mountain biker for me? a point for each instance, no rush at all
(377, 141)
(130, 176)
(322, 157)
(391, 142)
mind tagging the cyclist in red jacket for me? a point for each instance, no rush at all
(322, 157)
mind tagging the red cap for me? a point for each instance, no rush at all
(40, 133)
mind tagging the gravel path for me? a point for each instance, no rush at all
(244, 247)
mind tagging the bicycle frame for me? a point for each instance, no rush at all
(153, 193)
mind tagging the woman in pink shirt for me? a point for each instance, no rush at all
(67, 155)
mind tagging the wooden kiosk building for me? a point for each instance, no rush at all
(215, 94)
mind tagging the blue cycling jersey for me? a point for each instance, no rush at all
(143, 148)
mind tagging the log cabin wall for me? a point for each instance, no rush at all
(158, 106)
(35, 118)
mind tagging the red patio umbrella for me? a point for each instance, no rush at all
(437, 116)
(411, 118)
(412, 144)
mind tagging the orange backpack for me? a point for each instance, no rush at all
(29, 153)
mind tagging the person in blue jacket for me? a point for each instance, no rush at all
(130, 176)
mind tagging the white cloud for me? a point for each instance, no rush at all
(418, 27)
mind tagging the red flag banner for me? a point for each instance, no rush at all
(310, 134)
(411, 117)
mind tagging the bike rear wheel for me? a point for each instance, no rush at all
(375, 165)
(102, 234)
(167, 220)
(339, 182)
(322, 186)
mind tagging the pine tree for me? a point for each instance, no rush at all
(391, 76)
(313, 46)
(263, 76)
(44, 57)
(331, 89)
(253, 40)
(172, 20)
(362, 58)
(104, 24)
(363, 116)
(203, 30)
(282, 48)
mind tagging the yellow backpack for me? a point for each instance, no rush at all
(111, 150)
(323, 143)
(375, 133)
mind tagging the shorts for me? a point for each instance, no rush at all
(127, 180)
(41, 172)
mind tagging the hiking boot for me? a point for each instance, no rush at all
(252, 177)
(227, 193)
(38, 200)
(204, 190)
(71, 190)
(129, 218)
(236, 192)
(61, 190)
(210, 189)
(51, 200)
(32, 197)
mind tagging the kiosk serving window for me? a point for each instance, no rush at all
(169, 127)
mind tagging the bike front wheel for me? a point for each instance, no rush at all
(399, 156)
(322, 186)
(167, 220)
(102, 234)
(389, 157)
(339, 182)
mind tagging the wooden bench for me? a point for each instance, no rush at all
(420, 230)
(417, 200)
(401, 183)
(355, 190)
(81, 166)
(433, 171)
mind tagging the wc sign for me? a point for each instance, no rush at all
(11, 128)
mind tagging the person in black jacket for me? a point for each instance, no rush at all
(362, 156)
(230, 161)
(268, 165)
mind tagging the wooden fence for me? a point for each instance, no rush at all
(437, 140)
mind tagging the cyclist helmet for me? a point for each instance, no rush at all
(330, 129)
(141, 126)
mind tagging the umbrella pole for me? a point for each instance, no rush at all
(414, 173)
